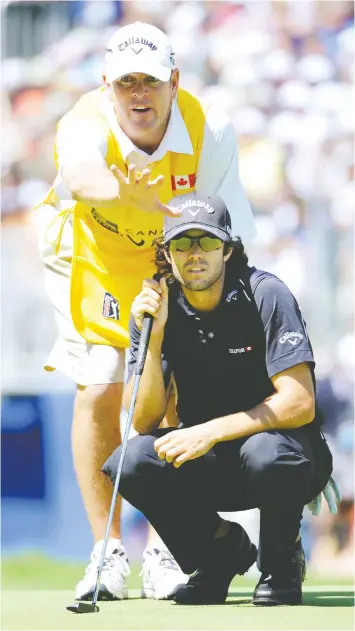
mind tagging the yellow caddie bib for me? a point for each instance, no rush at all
(113, 250)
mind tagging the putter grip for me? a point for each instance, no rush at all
(145, 336)
(144, 342)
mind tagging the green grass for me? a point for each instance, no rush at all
(37, 590)
(323, 609)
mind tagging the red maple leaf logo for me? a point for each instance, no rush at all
(181, 182)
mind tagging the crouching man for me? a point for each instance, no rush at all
(234, 338)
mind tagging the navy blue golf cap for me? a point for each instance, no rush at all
(207, 213)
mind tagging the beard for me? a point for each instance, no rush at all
(201, 284)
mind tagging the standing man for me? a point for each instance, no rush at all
(122, 152)
(235, 340)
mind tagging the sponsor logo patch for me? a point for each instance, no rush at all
(292, 337)
(233, 295)
(139, 238)
(244, 349)
(109, 225)
(131, 41)
(110, 307)
(183, 182)
(190, 204)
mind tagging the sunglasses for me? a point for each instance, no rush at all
(205, 242)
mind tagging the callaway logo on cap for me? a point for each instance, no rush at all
(199, 211)
(139, 47)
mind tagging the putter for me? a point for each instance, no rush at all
(79, 606)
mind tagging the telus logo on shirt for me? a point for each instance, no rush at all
(237, 351)
(293, 337)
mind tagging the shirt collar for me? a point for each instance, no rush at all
(176, 138)
(185, 305)
(233, 287)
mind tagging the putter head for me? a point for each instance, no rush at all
(81, 607)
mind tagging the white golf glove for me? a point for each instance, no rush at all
(332, 495)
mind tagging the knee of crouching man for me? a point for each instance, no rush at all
(136, 464)
(110, 467)
(287, 473)
(291, 476)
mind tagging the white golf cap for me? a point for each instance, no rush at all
(139, 47)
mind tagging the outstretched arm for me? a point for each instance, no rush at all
(82, 149)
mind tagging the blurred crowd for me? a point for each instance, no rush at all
(283, 70)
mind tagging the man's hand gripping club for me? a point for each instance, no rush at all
(152, 299)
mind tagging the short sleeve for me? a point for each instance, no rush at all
(80, 139)
(218, 172)
(134, 333)
(287, 342)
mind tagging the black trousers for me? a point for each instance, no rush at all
(277, 471)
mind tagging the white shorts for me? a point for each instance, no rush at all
(87, 364)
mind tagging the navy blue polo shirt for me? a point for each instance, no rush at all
(223, 360)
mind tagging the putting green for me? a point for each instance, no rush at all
(324, 607)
